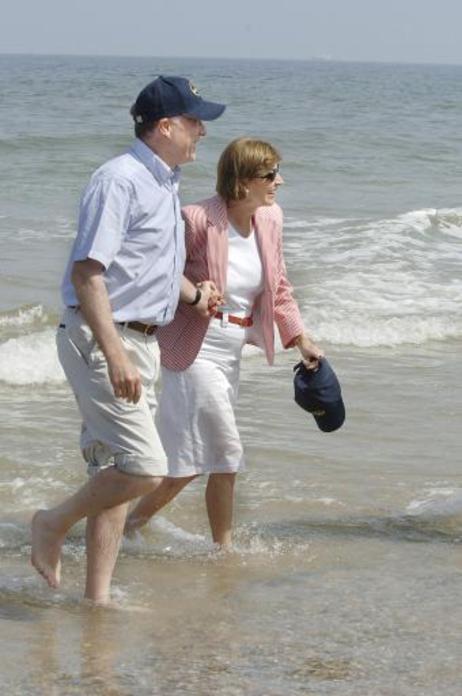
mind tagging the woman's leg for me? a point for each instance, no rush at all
(219, 496)
(151, 503)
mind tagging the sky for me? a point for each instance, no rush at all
(408, 31)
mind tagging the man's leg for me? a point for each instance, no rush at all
(108, 489)
(103, 536)
(219, 497)
(154, 501)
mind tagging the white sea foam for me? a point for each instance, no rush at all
(437, 503)
(290, 223)
(365, 332)
(170, 539)
(162, 524)
(30, 359)
(364, 283)
(448, 220)
(23, 316)
(11, 534)
(296, 224)
(60, 228)
(176, 542)
(29, 234)
(382, 282)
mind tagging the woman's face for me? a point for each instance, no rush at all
(262, 189)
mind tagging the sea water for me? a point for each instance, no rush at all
(346, 573)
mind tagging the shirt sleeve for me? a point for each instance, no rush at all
(286, 311)
(103, 220)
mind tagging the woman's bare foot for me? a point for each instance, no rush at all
(46, 548)
(133, 523)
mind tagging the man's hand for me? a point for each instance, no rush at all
(125, 378)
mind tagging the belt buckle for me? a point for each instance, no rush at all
(225, 317)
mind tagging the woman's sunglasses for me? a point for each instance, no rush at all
(271, 175)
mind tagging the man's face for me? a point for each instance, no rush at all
(185, 132)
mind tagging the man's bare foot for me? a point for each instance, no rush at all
(46, 548)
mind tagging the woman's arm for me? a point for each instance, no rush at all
(195, 283)
(287, 315)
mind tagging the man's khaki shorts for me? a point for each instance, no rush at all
(114, 432)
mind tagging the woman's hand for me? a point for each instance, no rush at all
(211, 298)
(311, 354)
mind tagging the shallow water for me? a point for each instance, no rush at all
(346, 573)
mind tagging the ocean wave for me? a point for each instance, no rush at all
(386, 282)
(24, 231)
(61, 231)
(56, 142)
(369, 332)
(30, 359)
(448, 221)
(436, 503)
(362, 283)
(174, 542)
(23, 316)
(291, 223)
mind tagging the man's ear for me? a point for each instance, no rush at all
(164, 125)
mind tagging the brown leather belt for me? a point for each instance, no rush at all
(240, 321)
(146, 329)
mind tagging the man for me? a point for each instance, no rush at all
(124, 278)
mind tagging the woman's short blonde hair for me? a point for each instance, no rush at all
(241, 160)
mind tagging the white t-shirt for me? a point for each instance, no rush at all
(245, 273)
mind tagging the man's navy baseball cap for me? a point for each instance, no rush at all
(318, 391)
(173, 96)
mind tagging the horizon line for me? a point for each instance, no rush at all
(311, 59)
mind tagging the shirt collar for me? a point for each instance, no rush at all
(158, 168)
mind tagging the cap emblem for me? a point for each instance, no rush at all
(194, 89)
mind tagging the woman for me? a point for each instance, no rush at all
(235, 240)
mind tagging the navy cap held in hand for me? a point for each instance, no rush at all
(318, 392)
(167, 96)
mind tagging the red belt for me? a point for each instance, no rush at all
(240, 321)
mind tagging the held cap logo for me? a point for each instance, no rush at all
(317, 412)
(194, 89)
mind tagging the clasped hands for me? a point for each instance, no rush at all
(210, 300)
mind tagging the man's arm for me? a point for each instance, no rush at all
(87, 278)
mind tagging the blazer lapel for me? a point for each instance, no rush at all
(266, 248)
(217, 242)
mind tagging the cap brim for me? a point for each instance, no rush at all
(206, 111)
(333, 418)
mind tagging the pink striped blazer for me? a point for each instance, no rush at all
(206, 226)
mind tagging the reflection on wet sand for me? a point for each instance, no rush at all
(99, 652)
